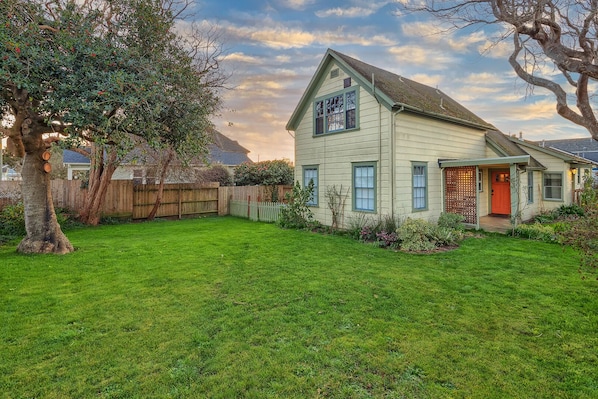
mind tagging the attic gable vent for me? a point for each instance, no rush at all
(334, 73)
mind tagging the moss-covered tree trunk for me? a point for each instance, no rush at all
(43, 231)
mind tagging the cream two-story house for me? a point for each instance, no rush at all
(404, 149)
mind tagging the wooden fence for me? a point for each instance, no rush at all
(124, 199)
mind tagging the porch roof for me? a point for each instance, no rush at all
(518, 160)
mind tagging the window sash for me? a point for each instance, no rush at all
(364, 182)
(311, 174)
(419, 187)
(530, 187)
(553, 186)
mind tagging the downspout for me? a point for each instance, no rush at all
(393, 154)
(379, 179)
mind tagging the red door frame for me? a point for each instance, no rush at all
(501, 192)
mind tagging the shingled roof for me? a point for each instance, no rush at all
(512, 146)
(226, 151)
(585, 147)
(222, 151)
(502, 144)
(395, 92)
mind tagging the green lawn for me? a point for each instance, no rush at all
(227, 308)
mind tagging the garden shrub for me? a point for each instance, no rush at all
(565, 211)
(589, 196)
(296, 214)
(583, 236)
(536, 231)
(12, 221)
(416, 235)
(369, 232)
(447, 236)
(544, 218)
(387, 240)
(451, 221)
(216, 173)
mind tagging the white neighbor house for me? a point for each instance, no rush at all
(408, 150)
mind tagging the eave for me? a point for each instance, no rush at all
(515, 160)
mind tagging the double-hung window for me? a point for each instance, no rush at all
(364, 187)
(553, 186)
(420, 186)
(336, 113)
(310, 175)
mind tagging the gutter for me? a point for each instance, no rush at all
(436, 115)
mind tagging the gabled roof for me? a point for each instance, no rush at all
(512, 146)
(502, 145)
(565, 156)
(392, 90)
(585, 147)
(226, 151)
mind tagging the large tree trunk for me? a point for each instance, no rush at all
(43, 231)
(163, 172)
(100, 176)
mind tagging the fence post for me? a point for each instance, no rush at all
(257, 208)
(180, 204)
(249, 207)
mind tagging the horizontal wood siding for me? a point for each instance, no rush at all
(420, 139)
(335, 153)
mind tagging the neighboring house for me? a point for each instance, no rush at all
(9, 174)
(408, 150)
(74, 162)
(585, 147)
(142, 163)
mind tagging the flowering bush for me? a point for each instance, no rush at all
(367, 234)
(387, 240)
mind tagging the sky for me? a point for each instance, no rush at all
(272, 48)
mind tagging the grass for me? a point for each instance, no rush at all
(227, 308)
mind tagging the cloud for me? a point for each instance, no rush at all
(439, 35)
(278, 36)
(297, 4)
(363, 9)
(350, 12)
(495, 49)
(422, 56)
(244, 58)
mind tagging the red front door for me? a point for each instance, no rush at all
(501, 192)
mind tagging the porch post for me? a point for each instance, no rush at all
(514, 188)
